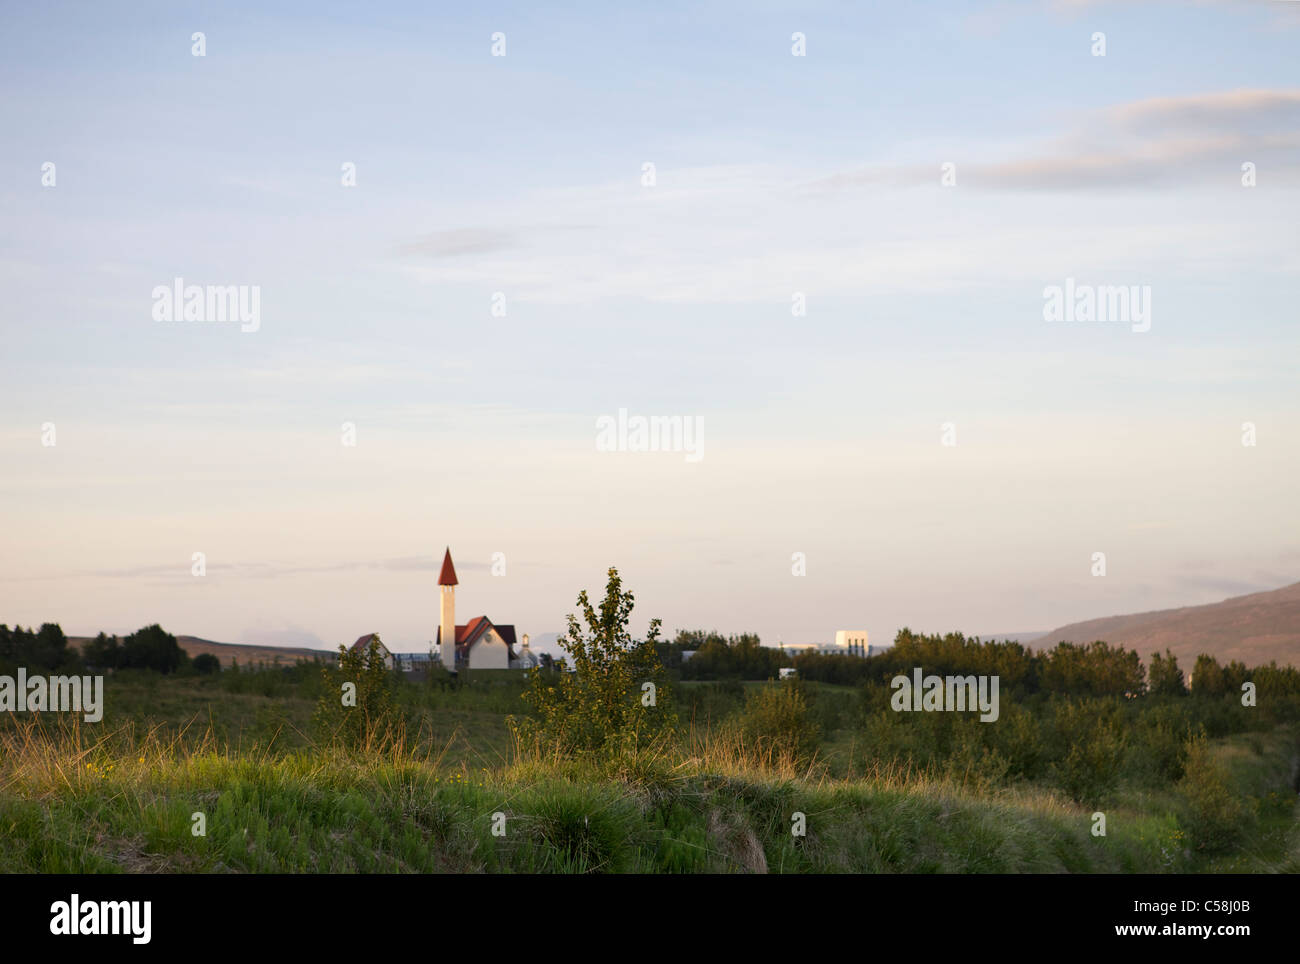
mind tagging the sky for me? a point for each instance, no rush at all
(863, 347)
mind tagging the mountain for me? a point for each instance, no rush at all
(1025, 638)
(1255, 629)
(244, 652)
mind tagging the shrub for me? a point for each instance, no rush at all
(205, 664)
(1159, 747)
(1017, 738)
(971, 762)
(367, 717)
(151, 648)
(1211, 814)
(1164, 678)
(776, 722)
(1088, 770)
(603, 704)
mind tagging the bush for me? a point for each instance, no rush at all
(1213, 818)
(1159, 748)
(708, 704)
(205, 664)
(1017, 738)
(1088, 770)
(44, 649)
(366, 718)
(617, 695)
(971, 762)
(776, 722)
(151, 648)
(1164, 678)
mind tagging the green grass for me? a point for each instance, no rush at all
(120, 797)
(311, 812)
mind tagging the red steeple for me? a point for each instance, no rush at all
(448, 575)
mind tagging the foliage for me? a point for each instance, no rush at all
(44, 649)
(1088, 770)
(719, 657)
(367, 715)
(1097, 669)
(1164, 678)
(776, 720)
(205, 664)
(1212, 815)
(150, 647)
(613, 693)
(104, 652)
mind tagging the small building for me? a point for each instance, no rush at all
(525, 658)
(477, 644)
(853, 642)
(362, 645)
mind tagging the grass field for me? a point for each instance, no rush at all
(238, 749)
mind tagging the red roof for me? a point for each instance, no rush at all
(469, 633)
(448, 575)
(363, 642)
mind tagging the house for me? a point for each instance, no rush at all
(525, 658)
(479, 643)
(363, 644)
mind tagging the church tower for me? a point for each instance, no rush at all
(447, 613)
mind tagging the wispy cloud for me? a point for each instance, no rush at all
(163, 573)
(1160, 141)
(462, 241)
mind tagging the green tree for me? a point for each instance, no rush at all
(206, 664)
(613, 692)
(360, 714)
(1097, 669)
(44, 649)
(1212, 813)
(103, 652)
(152, 647)
(1094, 746)
(1208, 677)
(1165, 678)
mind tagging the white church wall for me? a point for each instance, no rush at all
(489, 652)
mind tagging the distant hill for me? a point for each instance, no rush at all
(1255, 629)
(228, 652)
(1025, 638)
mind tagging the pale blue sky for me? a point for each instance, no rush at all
(522, 174)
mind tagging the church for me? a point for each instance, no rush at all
(479, 643)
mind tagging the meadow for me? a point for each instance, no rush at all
(446, 785)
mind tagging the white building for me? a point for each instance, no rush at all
(478, 644)
(853, 642)
(848, 642)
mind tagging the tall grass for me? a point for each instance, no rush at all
(75, 798)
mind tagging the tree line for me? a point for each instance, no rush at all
(47, 649)
(1090, 669)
